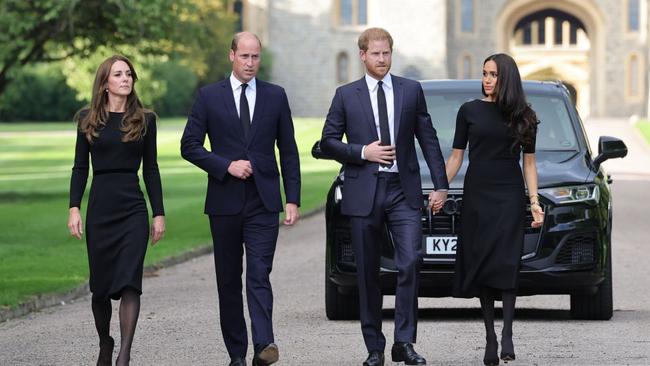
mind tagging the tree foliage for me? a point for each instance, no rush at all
(197, 32)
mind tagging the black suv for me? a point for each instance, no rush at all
(570, 254)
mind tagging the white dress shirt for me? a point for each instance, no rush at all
(251, 93)
(373, 85)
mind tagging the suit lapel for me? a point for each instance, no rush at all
(398, 94)
(229, 102)
(366, 105)
(258, 111)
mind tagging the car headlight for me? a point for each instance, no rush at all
(588, 193)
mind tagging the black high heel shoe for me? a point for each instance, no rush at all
(490, 358)
(106, 352)
(507, 349)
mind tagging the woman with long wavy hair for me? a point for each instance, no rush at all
(498, 128)
(118, 134)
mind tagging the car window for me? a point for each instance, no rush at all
(555, 132)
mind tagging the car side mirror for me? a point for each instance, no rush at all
(609, 148)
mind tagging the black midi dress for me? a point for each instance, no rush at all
(494, 202)
(117, 224)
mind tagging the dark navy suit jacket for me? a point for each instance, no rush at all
(214, 113)
(351, 114)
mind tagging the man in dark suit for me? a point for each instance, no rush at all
(244, 118)
(381, 115)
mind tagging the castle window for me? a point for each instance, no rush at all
(342, 68)
(352, 12)
(633, 76)
(633, 15)
(465, 67)
(467, 16)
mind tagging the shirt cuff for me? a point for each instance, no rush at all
(363, 155)
(440, 190)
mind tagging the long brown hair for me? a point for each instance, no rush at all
(521, 119)
(93, 118)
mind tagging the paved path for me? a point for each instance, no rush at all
(179, 323)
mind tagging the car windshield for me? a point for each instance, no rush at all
(555, 132)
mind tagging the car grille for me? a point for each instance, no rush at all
(578, 249)
(344, 252)
(447, 221)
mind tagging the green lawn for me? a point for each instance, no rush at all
(38, 256)
(644, 127)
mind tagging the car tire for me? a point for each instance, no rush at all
(599, 306)
(340, 306)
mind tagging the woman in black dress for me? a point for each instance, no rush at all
(118, 134)
(491, 238)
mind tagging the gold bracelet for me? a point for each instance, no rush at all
(535, 204)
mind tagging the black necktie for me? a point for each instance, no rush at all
(244, 113)
(384, 131)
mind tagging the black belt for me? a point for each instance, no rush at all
(387, 174)
(114, 171)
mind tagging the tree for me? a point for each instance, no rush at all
(35, 31)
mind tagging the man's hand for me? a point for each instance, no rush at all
(379, 153)
(437, 200)
(241, 169)
(291, 214)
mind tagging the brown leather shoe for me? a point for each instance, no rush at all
(268, 355)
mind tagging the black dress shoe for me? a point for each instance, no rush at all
(237, 361)
(375, 358)
(267, 355)
(404, 352)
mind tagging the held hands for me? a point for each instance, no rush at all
(241, 169)
(538, 215)
(291, 214)
(379, 153)
(437, 200)
(74, 223)
(157, 229)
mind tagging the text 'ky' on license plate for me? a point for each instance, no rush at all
(440, 244)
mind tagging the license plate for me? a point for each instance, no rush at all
(440, 245)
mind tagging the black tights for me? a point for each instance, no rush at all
(508, 298)
(129, 312)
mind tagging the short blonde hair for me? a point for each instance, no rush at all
(374, 34)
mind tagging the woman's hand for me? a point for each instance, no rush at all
(75, 225)
(157, 229)
(538, 215)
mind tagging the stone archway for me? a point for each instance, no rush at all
(576, 65)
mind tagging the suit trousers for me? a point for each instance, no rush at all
(404, 223)
(254, 229)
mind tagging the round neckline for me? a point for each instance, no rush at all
(487, 101)
(116, 112)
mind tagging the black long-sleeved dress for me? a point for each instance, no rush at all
(117, 224)
(494, 203)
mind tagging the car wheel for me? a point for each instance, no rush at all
(599, 306)
(340, 306)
